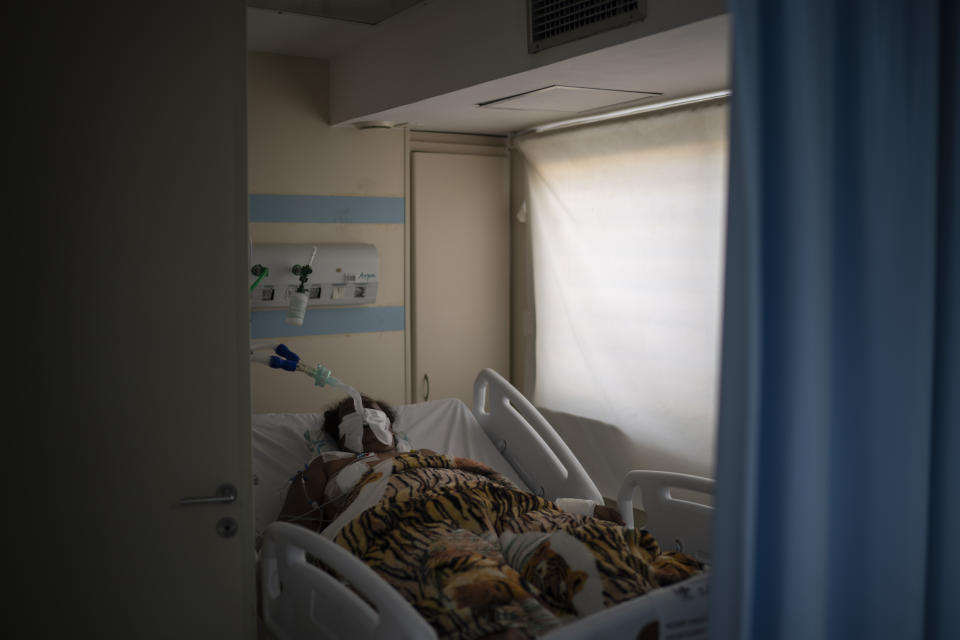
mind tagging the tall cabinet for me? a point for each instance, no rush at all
(460, 263)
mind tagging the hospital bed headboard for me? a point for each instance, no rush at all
(528, 442)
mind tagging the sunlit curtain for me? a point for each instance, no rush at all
(627, 233)
(839, 422)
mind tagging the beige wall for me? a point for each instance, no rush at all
(293, 151)
(291, 148)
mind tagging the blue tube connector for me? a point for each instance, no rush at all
(280, 363)
(284, 352)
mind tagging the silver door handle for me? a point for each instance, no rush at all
(226, 493)
(426, 387)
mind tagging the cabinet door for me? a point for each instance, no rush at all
(460, 245)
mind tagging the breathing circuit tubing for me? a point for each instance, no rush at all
(287, 360)
(283, 358)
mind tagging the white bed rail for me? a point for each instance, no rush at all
(301, 600)
(677, 524)
(677, 611)
(526, 439)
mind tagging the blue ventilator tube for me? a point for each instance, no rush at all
(289, 361)
(279, 363)
(284, 352)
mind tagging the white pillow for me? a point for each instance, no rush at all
(280, 450)
(449, 427)
(318, 439)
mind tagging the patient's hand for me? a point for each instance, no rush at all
(610, 514)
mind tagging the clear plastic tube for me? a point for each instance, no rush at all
(261, 357)
(357, 398)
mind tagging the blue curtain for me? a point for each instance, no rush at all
(838, 460)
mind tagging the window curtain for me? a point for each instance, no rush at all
(839, 424)
(627, 226)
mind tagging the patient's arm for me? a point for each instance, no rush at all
(297, 507)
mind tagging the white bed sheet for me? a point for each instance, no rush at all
(449, 427)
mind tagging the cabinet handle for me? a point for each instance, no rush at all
(426, 387)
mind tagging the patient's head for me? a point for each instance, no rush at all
(333, 416)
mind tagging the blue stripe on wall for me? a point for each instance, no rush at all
(327, 321)
(349, 209)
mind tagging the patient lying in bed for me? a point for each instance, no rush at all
(473, 553)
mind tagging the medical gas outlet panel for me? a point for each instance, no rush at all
(330, 274)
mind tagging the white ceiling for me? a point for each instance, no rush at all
(680, 62)
(294, 34)
(362, 11)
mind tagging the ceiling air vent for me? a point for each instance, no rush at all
(553, 22)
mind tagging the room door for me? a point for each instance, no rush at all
(460, 245)
(133, 392)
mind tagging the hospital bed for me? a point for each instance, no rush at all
(298, 600)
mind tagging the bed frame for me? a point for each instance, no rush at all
(299, 601)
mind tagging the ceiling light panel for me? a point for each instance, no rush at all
(566, 99)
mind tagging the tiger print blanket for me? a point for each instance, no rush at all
(475, 555)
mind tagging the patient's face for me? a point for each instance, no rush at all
(370, 442)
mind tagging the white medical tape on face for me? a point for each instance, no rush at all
(351, 429)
